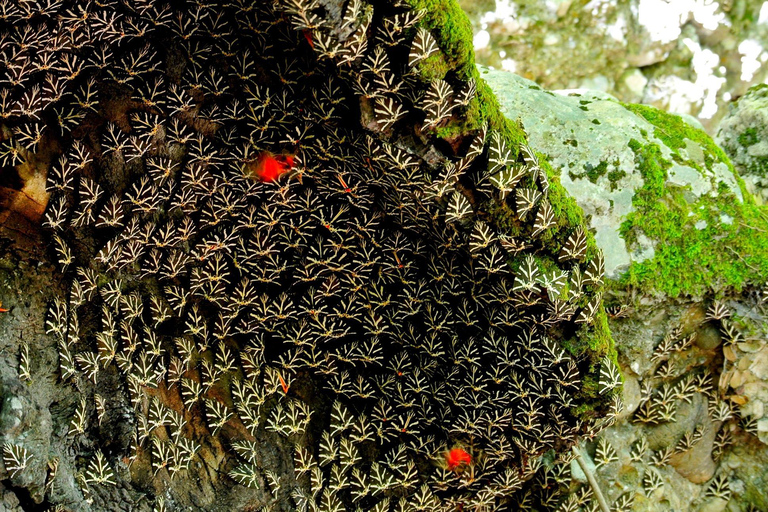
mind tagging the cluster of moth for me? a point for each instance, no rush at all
(678, 377)
(362, 305)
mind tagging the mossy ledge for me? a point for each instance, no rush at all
(728, 249)
(450, 25)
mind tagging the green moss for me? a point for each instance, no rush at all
(600, 344)
(505, 219)
(453, 30)
(614, 177)
(433, 67)
(758, 166)
(688, 260)
(673, 131)
(594, 172)
(749, 137)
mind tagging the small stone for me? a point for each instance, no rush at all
(702, 224)
(754, 408)
(762, 430)
(631, 395)
(707, 337)
(10, 500)
(634, 80)
(745, 362)
(647, 57)
(577, 473)
(751, 346)
(737, 379)
(596, 83)
(726, 219)
(754, 388)
(713, 505)
(759, 366)
(11, 414)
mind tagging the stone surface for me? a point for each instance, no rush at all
(696, 464)
(586, 137)
(743, 134)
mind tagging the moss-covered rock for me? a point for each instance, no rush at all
(743, 134)
(666, 206)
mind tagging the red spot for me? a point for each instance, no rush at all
(283, 384)
(456, 458)
(2, 309)
(270, 167)
(308, 37)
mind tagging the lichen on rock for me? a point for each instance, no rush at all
(743, 134)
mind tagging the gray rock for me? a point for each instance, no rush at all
(696, 464)
(713, 505)
(577, 473)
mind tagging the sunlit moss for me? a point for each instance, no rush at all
(687, 260)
